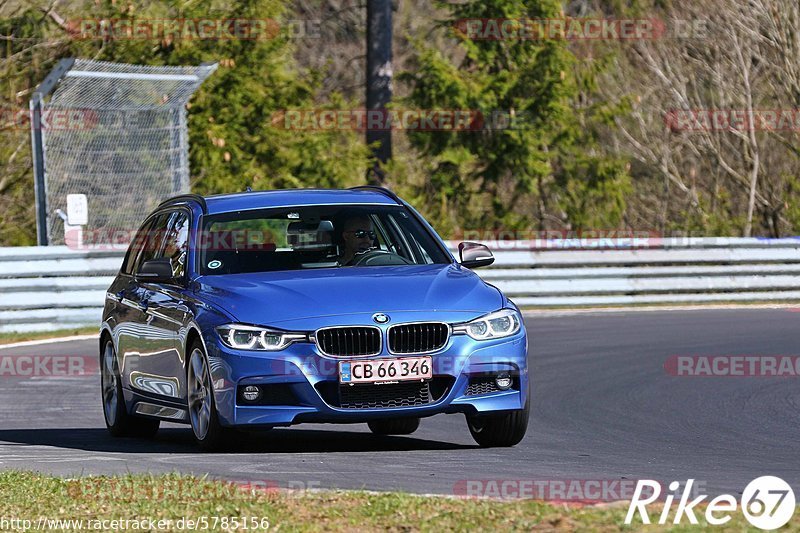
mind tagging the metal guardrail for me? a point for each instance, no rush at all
(47, 288)
(573, 272)
(54, 287)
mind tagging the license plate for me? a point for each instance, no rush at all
(378, 370)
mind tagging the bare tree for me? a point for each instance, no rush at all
(745, 63)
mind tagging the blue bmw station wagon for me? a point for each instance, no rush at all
(262, 309)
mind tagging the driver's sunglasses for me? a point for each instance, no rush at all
(361, 233)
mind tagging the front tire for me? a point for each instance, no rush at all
(118, 421)
(209, 434)
(502, 430)
(394, 426)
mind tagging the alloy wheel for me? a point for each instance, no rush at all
(108, 379)
(199, 383)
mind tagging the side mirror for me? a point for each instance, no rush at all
(474, 255)
(156, 270)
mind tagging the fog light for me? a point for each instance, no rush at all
(251, 393)
(503, 381)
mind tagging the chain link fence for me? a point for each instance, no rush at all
(118, 134)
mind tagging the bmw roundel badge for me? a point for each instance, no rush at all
(380, 318)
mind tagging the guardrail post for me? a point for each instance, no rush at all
(39, 185)
(37, 146)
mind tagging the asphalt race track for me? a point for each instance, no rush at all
(604, 408)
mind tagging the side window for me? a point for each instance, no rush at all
(136, 246)
(380, 234)
(400, 241)
(154, 240)
(175, 242)
(410, 236)
(428, 259)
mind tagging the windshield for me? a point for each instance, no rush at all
(297, 238)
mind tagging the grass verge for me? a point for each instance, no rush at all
(9, 338)
(39, 498)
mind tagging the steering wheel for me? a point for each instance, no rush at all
(379, 258)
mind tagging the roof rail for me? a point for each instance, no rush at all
(375, 188)
(186, 198)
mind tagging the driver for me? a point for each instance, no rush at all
(358, 236)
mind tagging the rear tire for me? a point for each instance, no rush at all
(394, 426)
(502, 430)
(118, 421)
(208, 433)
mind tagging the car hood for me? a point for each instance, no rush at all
(269, 298)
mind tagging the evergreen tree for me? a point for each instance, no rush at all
(233, 142)
(545, 168)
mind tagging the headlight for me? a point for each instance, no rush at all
(503, 323)
(242, 337)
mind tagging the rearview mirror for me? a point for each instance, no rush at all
(309, 236)
(474, 255)
(156, 270)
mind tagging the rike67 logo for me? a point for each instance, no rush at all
(767, 503)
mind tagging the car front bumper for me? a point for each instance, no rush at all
(301, 385)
